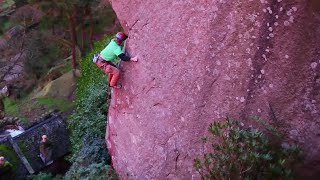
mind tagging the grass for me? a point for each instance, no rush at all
(31, 108)
(28, 108)
(54, 103)
(11, 107)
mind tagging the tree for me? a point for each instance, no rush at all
(76, 13)
(239, 151)
(20, 3)
(13, 54)
(40, 55)
(87, 17)
(61, 11)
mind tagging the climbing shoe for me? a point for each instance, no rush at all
(119, 86)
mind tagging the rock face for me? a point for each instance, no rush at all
(204, 60)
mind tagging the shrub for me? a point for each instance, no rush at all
(240, 152)
(92, 172)
(89, 117)
(88, 123)
(10, 155)
(10, 106)
(41, 176)
(53, 103)
(41, 54)
(91, 162)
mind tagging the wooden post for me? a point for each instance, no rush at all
(20, 155)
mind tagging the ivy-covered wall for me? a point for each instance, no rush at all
(88, 122)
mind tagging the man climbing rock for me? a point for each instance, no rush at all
(4, 92)
(112, 51)
(45, 150)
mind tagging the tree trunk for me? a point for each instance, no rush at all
(83, 34)
(73, 36)
(52, 29)
(91, 26)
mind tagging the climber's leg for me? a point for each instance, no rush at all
(112, 71)
(109, 78)
(114, 75)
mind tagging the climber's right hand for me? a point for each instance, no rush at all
(135, 59)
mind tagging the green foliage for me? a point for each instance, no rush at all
(84, 17)
(56, 15)
(6, 25)
(10, 106)
(91, 102)
(41, 105)
(23, 146)
(240, 152)
(41, 55)
(54, 103)
(41, 176)
(92, 172)
(103, 18)
(88, 122)
(10, 155)
(91, 162)
(7, 4)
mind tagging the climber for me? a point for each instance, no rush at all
(5, 169)
(4, 92)
(45, 150)
(109, 54)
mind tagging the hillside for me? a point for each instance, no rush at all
(46, 49)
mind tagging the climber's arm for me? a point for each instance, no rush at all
(124, 57)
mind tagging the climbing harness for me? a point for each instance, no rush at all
(95, 58)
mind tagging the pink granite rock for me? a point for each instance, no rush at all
(203, 60)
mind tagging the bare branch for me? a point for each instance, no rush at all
(16, 61)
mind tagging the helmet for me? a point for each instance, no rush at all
(121, 36)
